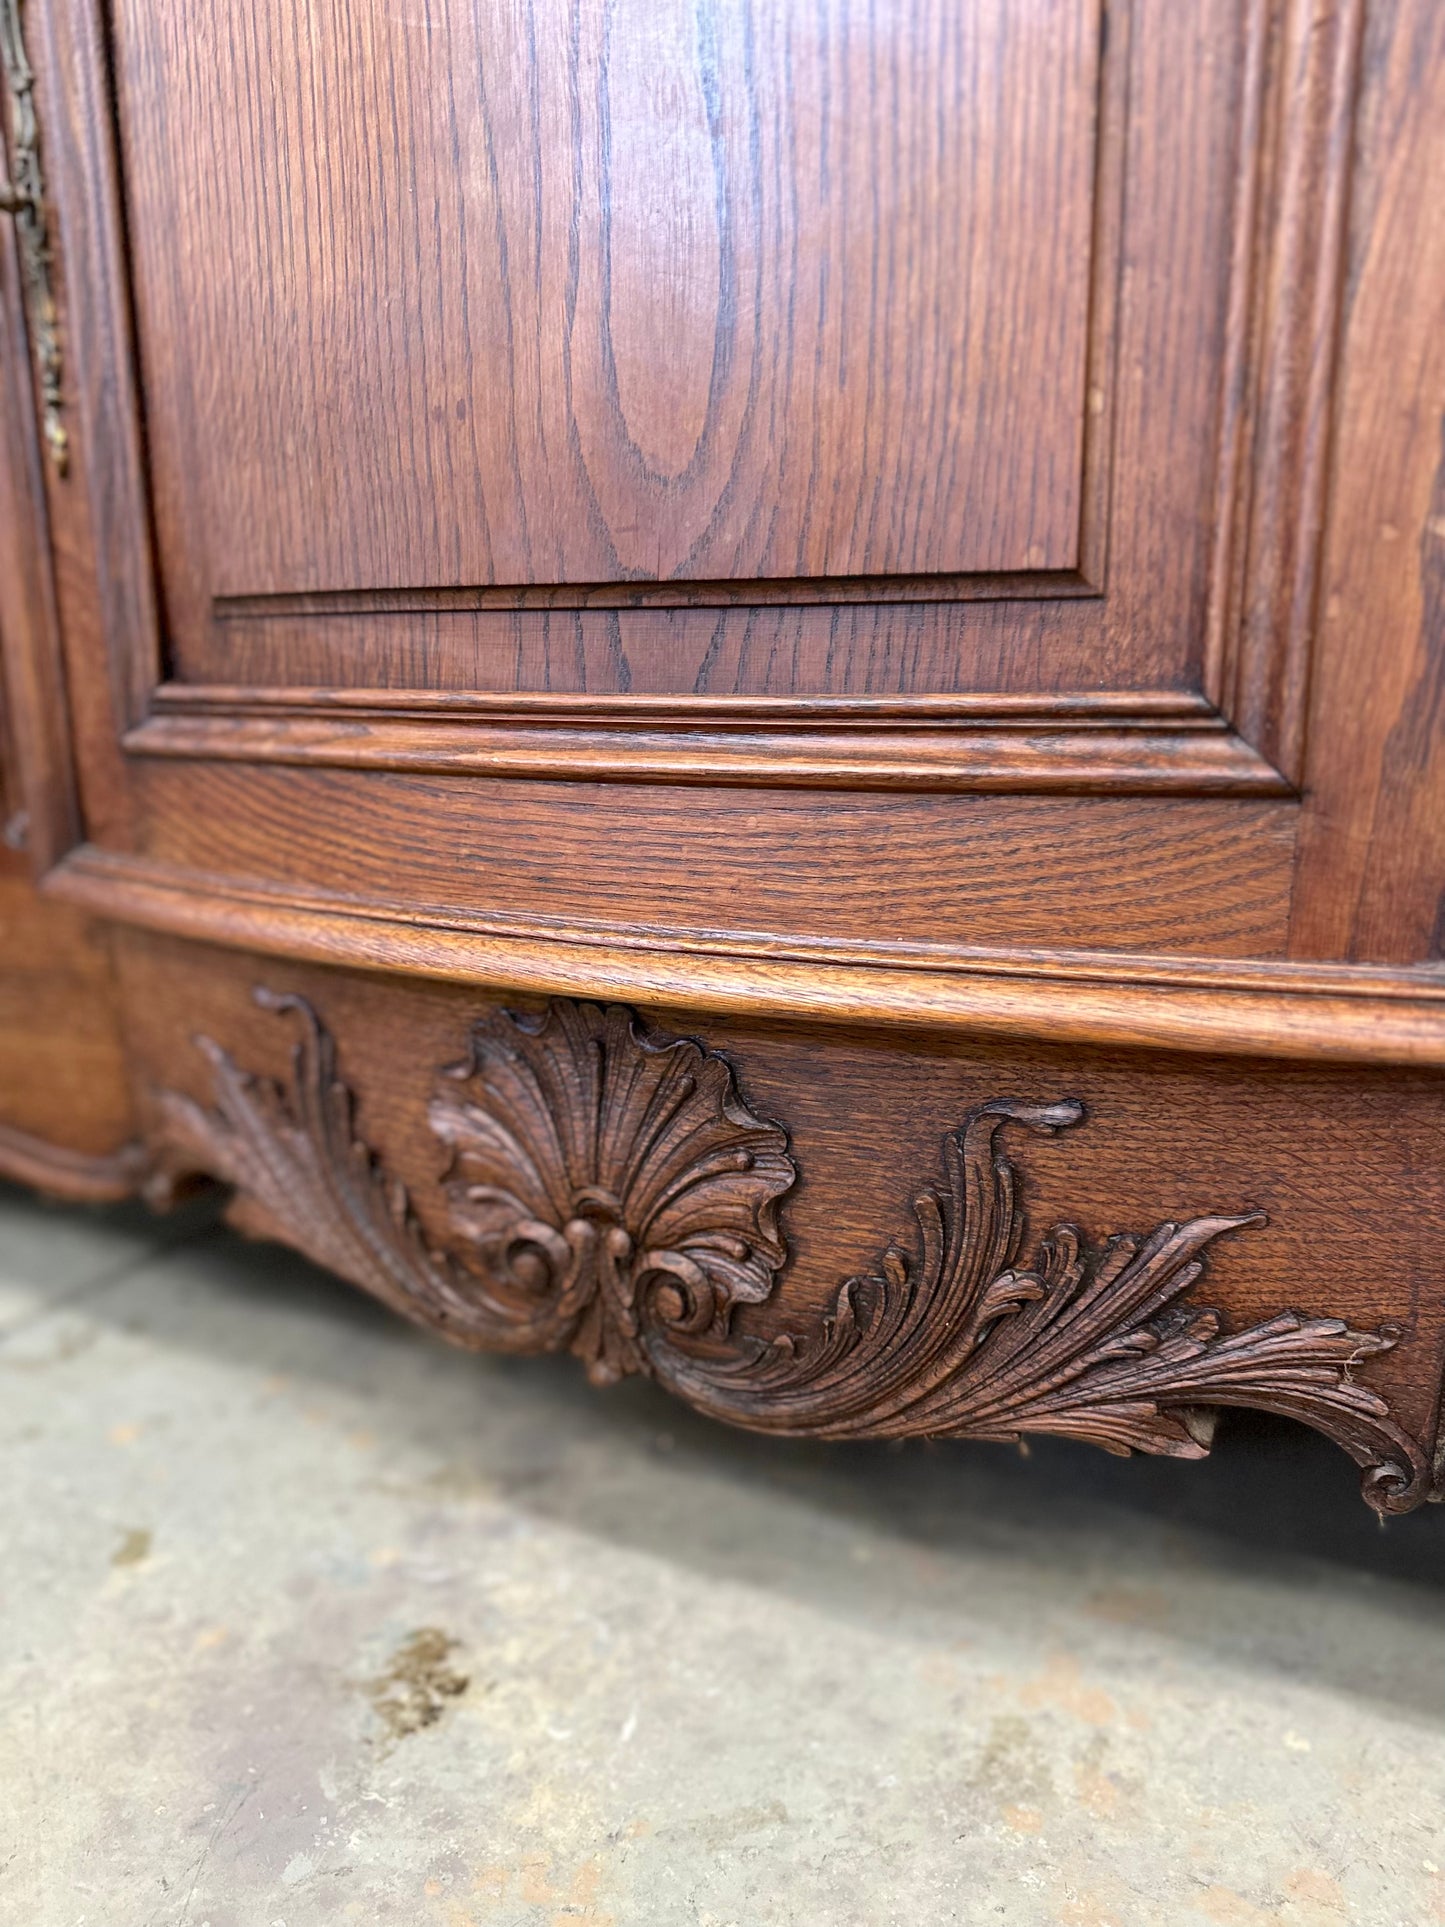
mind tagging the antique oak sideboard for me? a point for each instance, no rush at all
(751, 687)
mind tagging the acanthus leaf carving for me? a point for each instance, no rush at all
(600, 1181)
(1087, 1343)
(608, 1192)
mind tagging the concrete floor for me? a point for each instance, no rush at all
(305, 1619)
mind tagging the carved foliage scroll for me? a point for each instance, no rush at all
(606, 1191)
(609, 1192)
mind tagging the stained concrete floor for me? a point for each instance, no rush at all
(305, 1619)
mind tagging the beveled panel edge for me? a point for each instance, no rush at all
(764, 592)
(1286, 291)
(1179, 707)
(1156, 743)
(1335, 1013)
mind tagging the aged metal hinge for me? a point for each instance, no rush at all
(23, 196)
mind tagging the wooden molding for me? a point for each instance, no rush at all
(24, 201)
(1162, 708)
(1295, 127)
(71, 1175)
(1242, 738)
(608, 1192)
(101, 516)
(1328, 1012)
(1157, 743)
(1297, 131)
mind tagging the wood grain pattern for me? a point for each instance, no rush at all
(66, 1121)
(1361, 1147)
(1290, 234)
(23, 199)
(498, 216)
(828, 518)
(65, 1110)
(41, 812)
(607, 1191)
(1210, 876)
(805, 650)
(1009, 351)
(100, 528)
(1275, 1011)
(1373, 839)
(600, 1178)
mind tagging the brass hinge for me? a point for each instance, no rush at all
(23, 196)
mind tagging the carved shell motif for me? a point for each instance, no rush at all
(609, 1192)
(606, 1191)
(601, 1179)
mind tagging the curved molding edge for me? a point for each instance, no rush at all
(72, 1175)
(1054, 749)
(607, 1191)
(1319, 1013)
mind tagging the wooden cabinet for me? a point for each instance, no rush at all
(904, 543)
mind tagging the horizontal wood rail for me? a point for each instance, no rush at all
(1328, 1012)
(1134, 743)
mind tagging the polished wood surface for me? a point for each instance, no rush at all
(1315, 1012)
(825, 321)
(38, 805)
(1212, 878)
(760, 300)
(904, 541)
(1372, 858)
(1165, 686)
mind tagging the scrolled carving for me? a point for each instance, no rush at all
(608, 1191)
(1091, 1343)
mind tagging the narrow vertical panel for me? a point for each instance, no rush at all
(1372, 862)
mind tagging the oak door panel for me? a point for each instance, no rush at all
(456, 324)
(547, 292)
(1372, 860)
